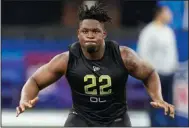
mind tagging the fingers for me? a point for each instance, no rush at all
(154, 104)
(162, 105)
(22, 106)
(34, 101)
(168, 108)
(157, 105)
(172, 111)
(18, 111)
(27, 104)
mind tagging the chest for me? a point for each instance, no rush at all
(107, 66)
(103, 74)
(163, 37)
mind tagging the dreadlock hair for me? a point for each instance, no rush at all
(96, 12)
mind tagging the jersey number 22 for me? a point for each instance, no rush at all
(93, 84)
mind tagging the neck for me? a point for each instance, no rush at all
(159, 22)
(96, 55)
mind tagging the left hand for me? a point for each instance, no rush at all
(167, 107)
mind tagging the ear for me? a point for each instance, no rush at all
(104, 34)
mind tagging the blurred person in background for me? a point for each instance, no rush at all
(97, 71)
(157, 45)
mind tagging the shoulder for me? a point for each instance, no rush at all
(129, 56)
(132, 61)
(59, 62)
(170, 30)
(62, 56)
(147, 32)
(127, 52)
(148, 28)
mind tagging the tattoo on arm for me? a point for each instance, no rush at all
(136, 67)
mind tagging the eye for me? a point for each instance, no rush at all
(96, 31)
(84, 31)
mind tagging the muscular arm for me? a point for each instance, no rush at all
(142, 70)
(44, 76)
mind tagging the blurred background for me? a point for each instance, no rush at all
(35, 31)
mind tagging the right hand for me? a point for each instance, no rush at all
(24, 105)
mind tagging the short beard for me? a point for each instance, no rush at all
(91, 49)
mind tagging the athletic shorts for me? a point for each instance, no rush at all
(75, 120)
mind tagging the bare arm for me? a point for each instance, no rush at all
(43, 77)
(142, 70)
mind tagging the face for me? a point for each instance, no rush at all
(91, 35)
(166, 15)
